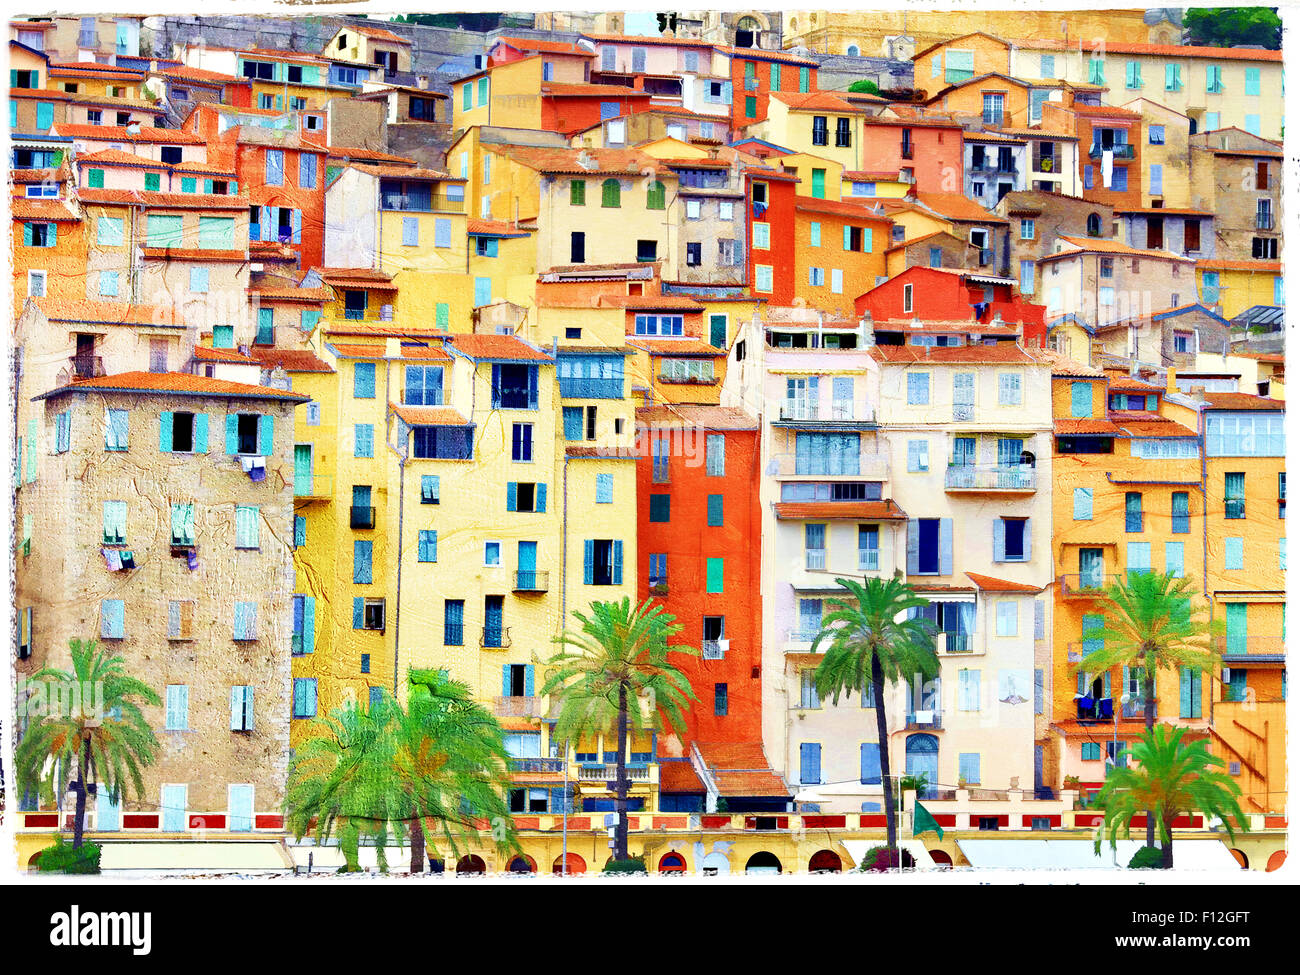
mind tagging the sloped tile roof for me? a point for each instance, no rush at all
(886, 510)
(990, 584)
(174, 383)
(503, 347)
(430, 416)
(291, 360)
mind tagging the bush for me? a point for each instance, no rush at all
(62, 858)
(630, 865)
(878, 859)
(1147, 858)
(866, 85)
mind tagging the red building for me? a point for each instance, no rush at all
(570, 108)
(770, 196)
(283, 175)
(755, 73)
(699, 526)
(935, 294)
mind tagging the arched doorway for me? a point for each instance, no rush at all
(763, 862)
(852, 51)
(1275, 861)
(922, 758)
(672, 863)
(825, 861)
(1241, 858)
(576, 865)
(522, 864)
(940, 858)
(470, 864)
(715, 865)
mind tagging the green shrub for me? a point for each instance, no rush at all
(630, 865)
(1146, 858)
(878, 859)
(62, 858)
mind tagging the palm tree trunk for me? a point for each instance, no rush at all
(620, 778)
(1149, 719)
(349, 845)
(882, 735)
(417, 845)
(79, 817)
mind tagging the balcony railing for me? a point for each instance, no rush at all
(815, 558)
(838, 413)
(924, 719)
(532, 580)
(1263, 221)
(1234, 507)
(87, 366)
(946, 642)
(362, 516)
(874, 466)
(963, 411)
(606, 772)
(517, 707)
(1090, 585)
(802, 635)
(906, 150)
(714, 649)
(1252, 646)
(990, 477)
(586, 388)
(537, 766)
(1123, 150)
(495, 637)
(868, 560)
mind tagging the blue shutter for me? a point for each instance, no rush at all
(265, 435)
(945, 546)
(528, 680)
(165, 432)
(1026, 543)
(871, 763)
(1083, 504)
(232, 433)
(617, 560)
(297, 226)
(505, 680)
(200, 433)
(358, 612)
(589, 561)
(539, 498)
(410, 231)
(361, 567)
(308, 624)
(999, 540)
(810, 763)
(512, 489)
(913, 546)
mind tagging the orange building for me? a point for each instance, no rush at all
(698, 527)
(839, 252)
(49, 239)
(1109, 139)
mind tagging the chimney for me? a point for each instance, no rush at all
(422, 81)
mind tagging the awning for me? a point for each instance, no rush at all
(1071, 854)
(920, 855)
(184, 856)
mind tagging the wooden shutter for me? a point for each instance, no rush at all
(945, 546)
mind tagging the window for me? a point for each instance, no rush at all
(808, 696)
(868, 548)
(602, 562)
(660, 507)
(968, 690)
(428, 545)
(525, 496)
(762, 236)
(1234, 495)
(713, 574)
(610, 193)
(41, 234)
(177, 716)
(918, 456)
(245, 626)
(304, 697)
(1234, 553)
(247, 525)
(918, 388)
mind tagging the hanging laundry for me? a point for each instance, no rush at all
(112, 559)
(257, 474)
(128, 560)
(192, 560)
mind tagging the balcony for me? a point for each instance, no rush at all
(87, 366)
(1264, 221)
(584, 388)
(606, 772)
(815, 559)
(313, 487)
(1260, 649)
(495, 637)
(996, 478)
(1122, 150)
(953, 643)
(361, 517)
(906, 150)
(963, 412)
(531, 580)
(1090, 586)
(800, 640)
(536, 766)
(1234, 507)
(839, 415)
(921, 720)
(517, 707)
(714, 649)
(873, 466)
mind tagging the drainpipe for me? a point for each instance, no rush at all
(401, 499)
(564, 542)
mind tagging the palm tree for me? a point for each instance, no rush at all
(441, 760)
(1149, 624)
(869, 639)
(110, 742)
(1173, 777)
(619, 655)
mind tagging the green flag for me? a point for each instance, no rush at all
(923, 822)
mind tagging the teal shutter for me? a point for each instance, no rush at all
(512, 491)
(358, 613)
(308, 624)
(528, 680)
(165, 432)
(945, 546)
(848, 238)
(1083, 504)
(200, 433)
(539, 498)
(362, 572)
(505, 680)
(265, 435)
(232, 433)
(1081, 400)
(617, 560)
(866, 240)
(589, 561)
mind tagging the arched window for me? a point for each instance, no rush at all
(825, 861)
(575, 865)
(852, 51)
(470, 864)
(672, 863)
(522, 864)
(611, 194)
(654, 196)
(1094, 225)
(763, 862)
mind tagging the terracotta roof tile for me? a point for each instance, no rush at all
(1069, 427)
(1263, 267)
(679, 777)
(493, 228)
(546, 159)
(908, 354)
(1065, 366)
(193, 254)
(204, 354)
(34, 175)
(643, 39)
(188, 73)
(428, 353)
(119, 133)
(886, 510)
(348, 351)
(35, 209)
(1166, 50)
(378, 33)
(599, 453)
(651, 302)
(682, 347)
(109, 313)
(291, 294)
(990, 584)
(1099, 246)
(505, 347)
(558, 90)
(163, 201)
(1242, 401)
(1153, 427)
(740, 769)
(291, 360)
(546, 47)
(707, 417)
(839, 208)
(403, 172)
(430, 416)
(175, 383)
(814, 101)
(958, 207)
(359, 152)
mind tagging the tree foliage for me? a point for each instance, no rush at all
(865, 85)
(1230, 26)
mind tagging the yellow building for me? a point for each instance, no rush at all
(1234, 286)
(1166, 166)
(820, 124)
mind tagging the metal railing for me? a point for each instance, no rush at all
(1123, 150)
(543, 766)
(946, 642)
(495, 637)
(839, 412)
(517, 707)
(924, 719)
(963, 411)
(906, 150)
(1264, 221)
(990, 477)
(87, 366)
(714, 649)
(869, 465)
(801, 635)
(361, 516)
(1234, 508)
(1092, 584)
(815, 558)
(587, 388)
(532, 580)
